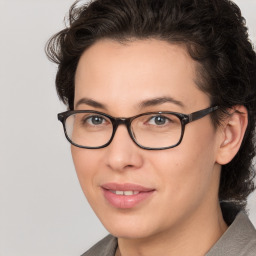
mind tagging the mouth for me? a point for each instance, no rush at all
(125, 196)
(124, 193)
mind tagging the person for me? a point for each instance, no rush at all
(161, 99)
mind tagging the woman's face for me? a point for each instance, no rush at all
(173, 187)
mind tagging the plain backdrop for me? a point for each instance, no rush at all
(42, 209)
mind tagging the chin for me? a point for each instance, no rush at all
(129, 228)
(129, 234)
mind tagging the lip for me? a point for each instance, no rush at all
(126, 201)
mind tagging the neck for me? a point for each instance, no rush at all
(194, 238)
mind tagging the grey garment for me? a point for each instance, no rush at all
(105, 247)
(238, 240)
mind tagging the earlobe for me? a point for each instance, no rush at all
(233, 130)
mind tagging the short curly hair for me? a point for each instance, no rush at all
(215, 36)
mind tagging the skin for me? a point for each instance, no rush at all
(183, 215)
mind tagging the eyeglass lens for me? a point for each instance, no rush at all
(148, 130)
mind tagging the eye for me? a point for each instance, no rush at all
(95, 120)
(158, 120)
(92, 120)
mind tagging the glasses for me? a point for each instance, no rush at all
(152, 130)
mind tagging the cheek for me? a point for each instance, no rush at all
(188, 169)
(86, 164)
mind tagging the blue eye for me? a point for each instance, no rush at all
(158, 120)
(96, 120)
(93, 120)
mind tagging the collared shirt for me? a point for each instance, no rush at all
(238, 240)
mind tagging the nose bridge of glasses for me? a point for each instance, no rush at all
(122, 121)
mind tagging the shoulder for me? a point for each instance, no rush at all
(105, 247)
(238, 240)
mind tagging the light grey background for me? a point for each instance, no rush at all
(42, 209)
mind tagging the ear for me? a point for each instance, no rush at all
(232, 134)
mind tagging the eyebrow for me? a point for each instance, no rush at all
(143, 104)
(91, 103)
(159, 101)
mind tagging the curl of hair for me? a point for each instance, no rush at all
(216, 37)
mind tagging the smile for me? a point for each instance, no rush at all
(125, 193)
(126, 196)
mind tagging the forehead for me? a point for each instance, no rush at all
(121, 73)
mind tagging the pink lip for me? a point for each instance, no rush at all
(122, 201)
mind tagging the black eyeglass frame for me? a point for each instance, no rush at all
(116, 121)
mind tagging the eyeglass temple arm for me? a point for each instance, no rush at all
(201, 113)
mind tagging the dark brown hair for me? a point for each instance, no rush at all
(215, 35)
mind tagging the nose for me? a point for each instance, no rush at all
(123, 153)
